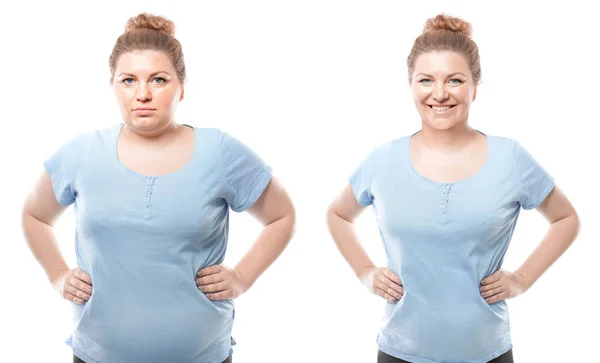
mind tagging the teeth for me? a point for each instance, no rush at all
(440, 108)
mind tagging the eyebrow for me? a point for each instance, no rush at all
(153, 74)
(450, 75)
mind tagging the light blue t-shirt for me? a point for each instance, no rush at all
(442, 239)
(142, 239)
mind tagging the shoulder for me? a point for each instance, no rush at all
(74, 146)
(377, 158)
(383, 150)
(216, 142)
(511, 147)
(71, 154)
(504, 147)
(228, 144)
(211, 136)
(504, 141)
(513, 154)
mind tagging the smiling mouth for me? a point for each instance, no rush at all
(441, 108)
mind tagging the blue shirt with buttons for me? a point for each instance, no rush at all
(143, 238)
(442, 239)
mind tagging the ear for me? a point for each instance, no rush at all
(474, 93)
(181, 95)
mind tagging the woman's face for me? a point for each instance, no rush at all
(147, 90)
(443, 89)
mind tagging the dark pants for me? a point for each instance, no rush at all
(384, 358)
(77, 360)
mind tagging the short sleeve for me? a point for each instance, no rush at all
(362, 178)
(535, 181)
(61, 167)
(245, 174)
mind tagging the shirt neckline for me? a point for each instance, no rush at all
(436, 183)
(121, 166)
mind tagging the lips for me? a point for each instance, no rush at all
(441, 108)
(144, 109)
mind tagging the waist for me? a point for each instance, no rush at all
(155, 317)
(445, 329)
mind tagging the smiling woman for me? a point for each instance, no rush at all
(447, 200)
(444, 71)
(152, 203)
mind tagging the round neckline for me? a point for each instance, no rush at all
(144, 176)
(448, 184)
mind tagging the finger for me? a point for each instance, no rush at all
(492, 292)
(391, 284)
(80, 285)
(491, 279)
(501, 296)
(392, 276)
(210, 270)
(211, 279)
(386, 296)
(221, 286)
(73, 298)
(388, 290)
(486, 280)
(82, 276)
(495, 285)
(70, 289)
(227, 294)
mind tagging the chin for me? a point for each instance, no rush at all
(442, 125)
(142, 123)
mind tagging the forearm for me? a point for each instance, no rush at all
(42, 242)
(270, 243)
(559, 237)
(346, 240)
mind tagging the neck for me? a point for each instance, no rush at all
(452, 139)
(157, 135)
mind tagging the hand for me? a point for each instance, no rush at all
(73, 285)
(219, 282)
(383, 282)
(502, 285)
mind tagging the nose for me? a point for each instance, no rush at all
(143, 93)
(439, 93)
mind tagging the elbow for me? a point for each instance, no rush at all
(333, 217)
(287, 222)
(329, 215)
(570, 227)
(28, 224)
(291, 216)
(576, 225)
(26, 218)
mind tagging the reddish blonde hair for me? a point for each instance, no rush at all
(149, 32)
(446, 33)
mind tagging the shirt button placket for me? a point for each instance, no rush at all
(148, 197)
(444, 202)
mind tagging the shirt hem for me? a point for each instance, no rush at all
(79, 353)
(260, 187)
(545, 192)
(416, 359)
(87, 359)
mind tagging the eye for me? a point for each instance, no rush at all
(458, 81)
(425, 81)
(126, 80)
(162, 80)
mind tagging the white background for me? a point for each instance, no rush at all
(312, 87)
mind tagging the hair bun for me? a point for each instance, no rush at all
(449, 23)
(153, 22)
